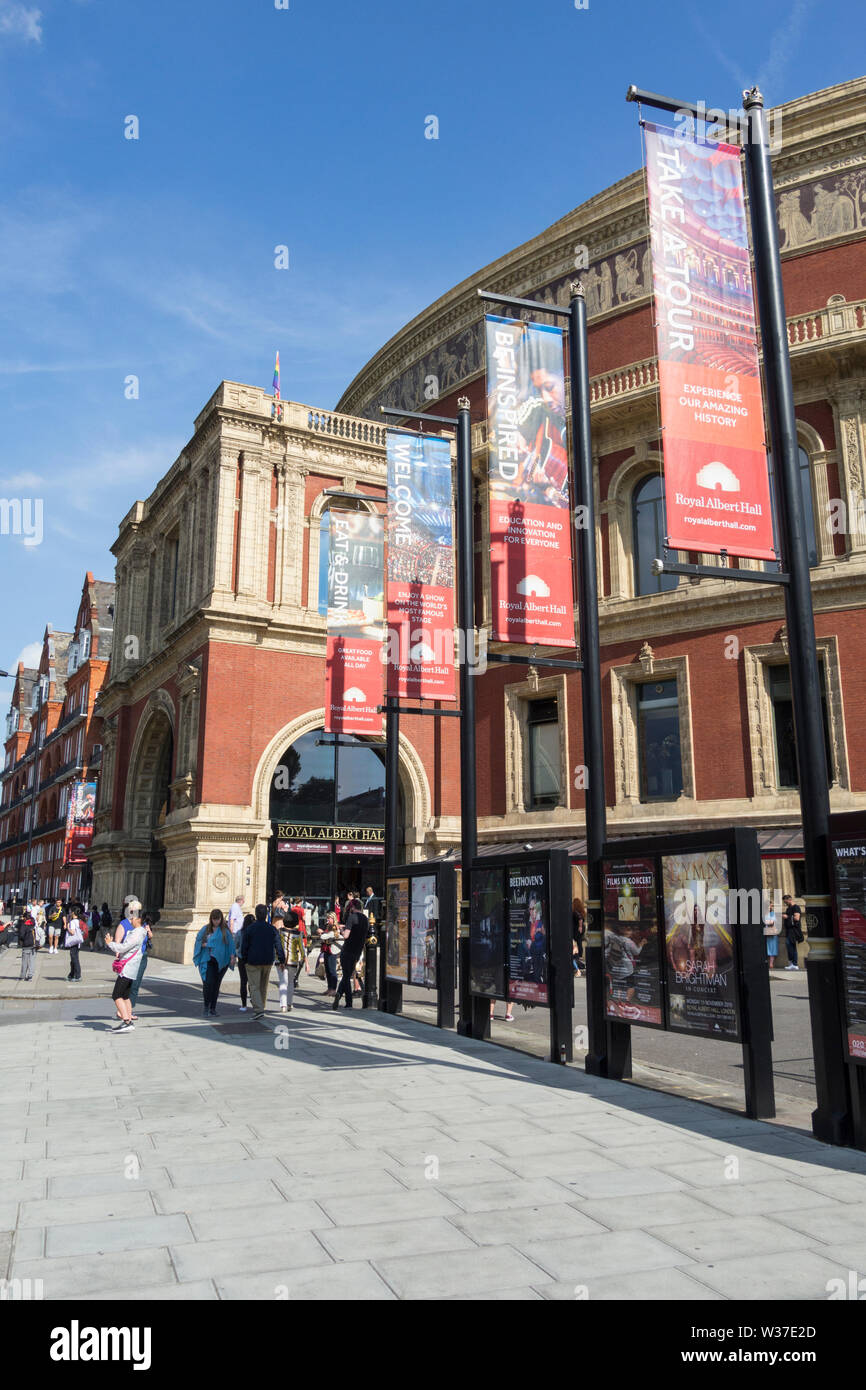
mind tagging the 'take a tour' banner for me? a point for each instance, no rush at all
(717, 491)
(354, 684)
(530, 532)
(420, 567)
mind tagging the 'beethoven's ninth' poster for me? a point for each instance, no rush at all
(420, 567)
(530, 517)
(717, 488)
(354, 683)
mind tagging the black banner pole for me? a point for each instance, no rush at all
(390, 991)
(466, 620)
(831, 1120)
(609, 1052)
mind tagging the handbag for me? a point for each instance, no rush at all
(120, 961)
(320, 968)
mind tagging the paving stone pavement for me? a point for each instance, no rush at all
(377, 1158)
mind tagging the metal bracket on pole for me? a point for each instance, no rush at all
(492, 298)
(437, 713)
(717, 572)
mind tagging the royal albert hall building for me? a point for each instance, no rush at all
(217, 776)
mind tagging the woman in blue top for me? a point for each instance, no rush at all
(214, 953)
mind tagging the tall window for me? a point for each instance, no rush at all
(544, 756)
(805, 475)
(787, 772)
(649, 529)
(346, 504)
(661, 769)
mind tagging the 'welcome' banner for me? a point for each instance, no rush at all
(420, 567)
(717, 491)
(354, 684)
(530, 533)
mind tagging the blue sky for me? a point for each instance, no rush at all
(302, 126)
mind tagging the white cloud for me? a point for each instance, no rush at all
(29, 655)
(21, 21)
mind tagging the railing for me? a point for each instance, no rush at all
(834, 323)
(353, 428)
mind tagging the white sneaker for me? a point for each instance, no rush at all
(792, 967)
(243, 1008)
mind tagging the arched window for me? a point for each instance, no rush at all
(346, 504)
(325, 780)
(649, 528)
(805, 474)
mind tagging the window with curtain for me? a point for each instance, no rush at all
(661, 769)
(648, 530)
(544, 756)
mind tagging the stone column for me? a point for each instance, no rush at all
(222, 515)
(253, 546)
(848, 420)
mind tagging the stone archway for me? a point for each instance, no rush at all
(414, 787)
(148, 801)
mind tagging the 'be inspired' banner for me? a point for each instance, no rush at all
(354, 684)
(420, 567)
(717, 491)
(530, 533)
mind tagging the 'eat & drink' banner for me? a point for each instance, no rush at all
(530, 531)
(354, 684)
(420, 567)
(717, 489)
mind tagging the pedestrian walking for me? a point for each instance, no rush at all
(27, 942)
(329, 954)
(793, 917)
(214, 953)
(354, 928)
(259, 947)
(55, 921)
(95, 929)
(236, 915)
(771, 937)
(578, 934)
(248, 920)
(292, 940)
(372, 906)
(106, 924)
(74, 940)
(127, 949)
(147, 923)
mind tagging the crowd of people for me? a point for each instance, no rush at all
(293, 936)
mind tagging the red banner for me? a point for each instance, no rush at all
(79, 822)
(420, 567)
(354, 682)
(717, 488)
(532, 595)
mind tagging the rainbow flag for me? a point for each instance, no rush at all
(277, 378)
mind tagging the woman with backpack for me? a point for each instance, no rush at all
(214, 953)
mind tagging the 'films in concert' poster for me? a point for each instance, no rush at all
(528, 934)
(632, 969)
(700, 950)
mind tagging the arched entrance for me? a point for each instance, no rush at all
(326, 806)
(148, 803)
